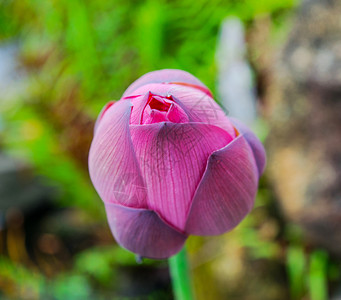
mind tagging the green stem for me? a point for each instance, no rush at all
(180, 274)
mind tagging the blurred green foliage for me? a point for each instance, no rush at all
(86, 53)
(318, 279)
(296, 271)
(93, 267)
(98, 48)
(105, 45)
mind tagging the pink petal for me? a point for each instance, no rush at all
(226, 192)
(172, 158)
(101, 114)
(204, 107)
(143, 232)
(255, 144)
(113, 166)
(154, 116)
(163, 76)
(200, 88)
(143, 113)
(177, 115)
(197, 105)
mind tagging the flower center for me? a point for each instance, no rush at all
(161, 109)
(152, 108)
(156, 102)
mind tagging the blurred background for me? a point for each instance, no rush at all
(274, 64)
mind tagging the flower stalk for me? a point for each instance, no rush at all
(180, 274)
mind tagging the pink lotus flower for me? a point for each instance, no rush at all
(168, 163)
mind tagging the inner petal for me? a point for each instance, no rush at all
(158, 109)
(158, 103)
(154, 116)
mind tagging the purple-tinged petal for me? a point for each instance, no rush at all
(197, 105)
(143, 232)
(113, 166)
(255, 144)
(226, 192)
(164, 76)
(101, 114)
(172, 158)
(198, 87)
(203, 106)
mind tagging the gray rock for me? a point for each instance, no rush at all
(12, 77)
(19, 188)
(235, 84)
(304, 105)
